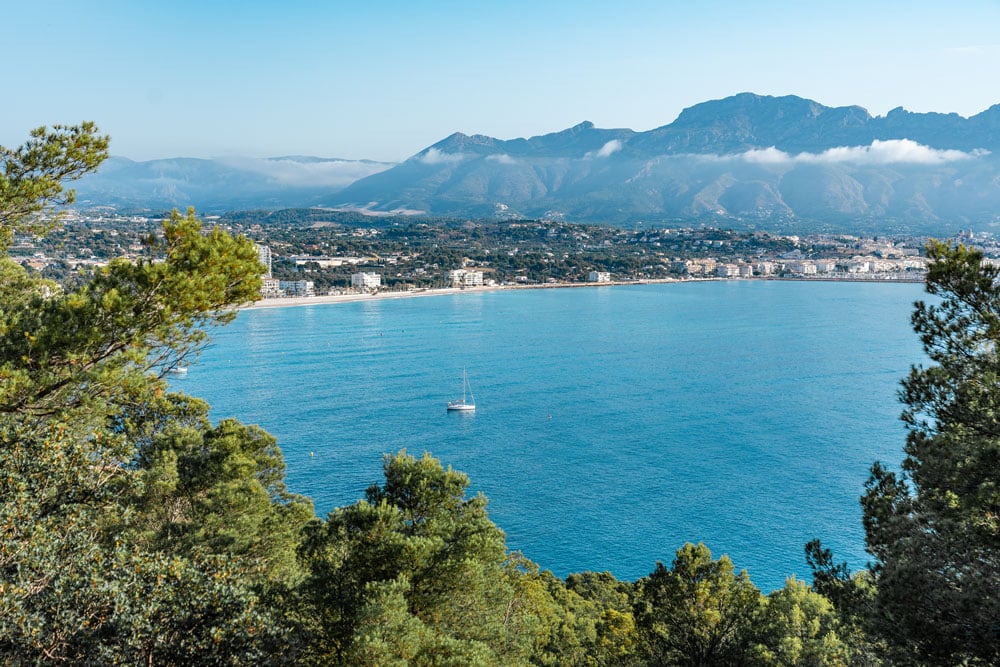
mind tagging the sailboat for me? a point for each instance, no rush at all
(464, 405)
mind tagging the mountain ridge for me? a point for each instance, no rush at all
(746, 160)
(220, 184)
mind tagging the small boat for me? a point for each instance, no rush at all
(464, 405)
(179, 371)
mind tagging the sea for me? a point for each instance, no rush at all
(613, 424)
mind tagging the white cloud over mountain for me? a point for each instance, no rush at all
(893, 151)
(607, 149)
(435, 156)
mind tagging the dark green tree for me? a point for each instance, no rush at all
(605, 621)
(852, 595)
(221, 490)
(92, 571)
(933, 527)
(428, 561)
(699, 612)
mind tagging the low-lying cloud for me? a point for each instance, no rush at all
(308, 173)
(891, 151)
(607, 149)
(436, 156)
(369, 209)
(502, 158)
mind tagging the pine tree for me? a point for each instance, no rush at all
(934, 526)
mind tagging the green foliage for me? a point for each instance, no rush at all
(32, 175)
(699, 612)
(75, 585)
(221, 491)
(129, 319)
(853, 598)
(799, 627)
(102, 561)
(933, 527)
(419, 538)
(594, 622)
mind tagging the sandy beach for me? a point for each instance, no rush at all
(282, 302)
(286, 301)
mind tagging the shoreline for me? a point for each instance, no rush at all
(288, 301)
(291, 301)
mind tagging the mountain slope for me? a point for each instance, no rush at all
(220, 185)
(746, 159)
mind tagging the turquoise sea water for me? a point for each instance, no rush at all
(613, 424)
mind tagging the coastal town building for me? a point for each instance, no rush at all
(523, 252)
(326, 262)
(297, 287)
(264, 255)
(804, 268)
(270, 288)
(366, 281)
(465, 278)
(599, 277)
(764, 268)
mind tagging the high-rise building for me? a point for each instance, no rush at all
(264, 253)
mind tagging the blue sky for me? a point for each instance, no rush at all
(383, 79)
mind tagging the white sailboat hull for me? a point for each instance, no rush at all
(463, 405)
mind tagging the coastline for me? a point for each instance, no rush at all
(291, 301)
(287, 301)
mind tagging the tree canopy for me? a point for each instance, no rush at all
(933, 527)
(93, 570)
(33, 175)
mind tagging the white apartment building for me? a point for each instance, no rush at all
(264, 255)
(599, 277)
(465, 278)
(270, 287)
(297, 287)
(764, 268)
(803, 268)
(366, 281)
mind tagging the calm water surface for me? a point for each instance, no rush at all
(613, 424)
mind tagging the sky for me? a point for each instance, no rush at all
(384, 79)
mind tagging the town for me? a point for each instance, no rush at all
(316, 252)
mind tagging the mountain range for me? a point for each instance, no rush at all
(743, 161)
(221, 184)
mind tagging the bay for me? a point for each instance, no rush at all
(613, 423)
